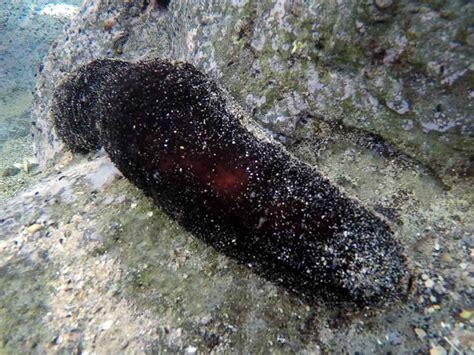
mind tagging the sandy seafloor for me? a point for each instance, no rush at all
(89, 265)
(17, 161)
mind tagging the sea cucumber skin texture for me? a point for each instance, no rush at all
(168, 129)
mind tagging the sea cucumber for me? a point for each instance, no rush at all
(170, 130)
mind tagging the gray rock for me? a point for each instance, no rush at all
(10, 171)
(402, 72)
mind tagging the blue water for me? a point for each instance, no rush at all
(27, 30)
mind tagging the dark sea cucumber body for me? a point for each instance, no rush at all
(168, 129)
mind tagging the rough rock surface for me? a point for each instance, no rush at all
(403, 71)
(88, 264)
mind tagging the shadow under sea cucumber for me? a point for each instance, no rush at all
(169, 130)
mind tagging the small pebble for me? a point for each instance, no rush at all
(383, 4)
(10, 171)
(465, 314)
(429, 283)
(470, 39)
(34, 228)
(29, 166)
(191, 350)
(106, 325)
(109, 23)
(447, 258)
(58, 340)
(206, 319)
(438, 350)
(420, 333)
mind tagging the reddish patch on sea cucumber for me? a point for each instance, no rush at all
(230, 180)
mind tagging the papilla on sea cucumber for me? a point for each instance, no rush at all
(169, 130)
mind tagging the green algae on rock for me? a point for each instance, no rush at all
(169, 130)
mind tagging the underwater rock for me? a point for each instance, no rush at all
(170, 131)
(9, 171)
